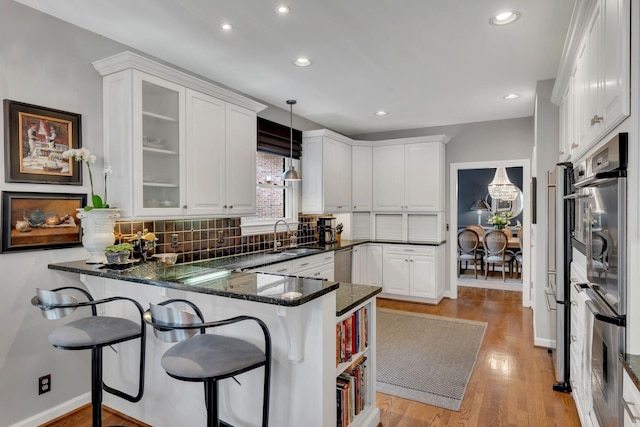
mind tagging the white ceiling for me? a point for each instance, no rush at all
(427, 62)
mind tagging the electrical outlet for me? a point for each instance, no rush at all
(44, 384)
(174, 241)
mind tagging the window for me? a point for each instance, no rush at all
(274, 200)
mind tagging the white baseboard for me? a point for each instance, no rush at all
(55, 412)
(540, 342)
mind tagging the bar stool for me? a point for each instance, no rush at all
(94, 333)
(208, 358)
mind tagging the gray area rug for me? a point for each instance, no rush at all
(426, 358)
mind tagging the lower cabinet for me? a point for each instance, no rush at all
(315, 266)
(630, 401)
(413, 271)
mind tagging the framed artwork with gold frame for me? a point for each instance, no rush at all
(35, 138)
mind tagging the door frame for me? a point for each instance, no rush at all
(525, 164)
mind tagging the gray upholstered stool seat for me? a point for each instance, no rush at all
(208, 356)
(91, 331)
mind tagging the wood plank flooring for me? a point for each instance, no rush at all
(510, 385)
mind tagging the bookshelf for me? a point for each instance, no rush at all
(355, 367)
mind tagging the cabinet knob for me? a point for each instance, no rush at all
(574, 145)
(224, 207)
(231, 207)
(596, 119)
(339, 207)
(354, 206)
(561, 153)
(184, 206)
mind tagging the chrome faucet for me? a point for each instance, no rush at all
(276, 244)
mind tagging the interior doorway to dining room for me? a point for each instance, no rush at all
(471, 205)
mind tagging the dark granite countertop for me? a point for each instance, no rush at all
(350, 295)
(631, 364)
(258, 287)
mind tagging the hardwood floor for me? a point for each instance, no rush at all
(81, 417)
(511, 384)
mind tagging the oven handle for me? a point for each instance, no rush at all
(627, 408)
(602, 178)
(614, 320)
(576, 196)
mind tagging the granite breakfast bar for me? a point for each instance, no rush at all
(301, 314)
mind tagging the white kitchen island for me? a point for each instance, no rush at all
(303, 332)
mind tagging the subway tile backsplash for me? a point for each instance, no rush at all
(205, 238)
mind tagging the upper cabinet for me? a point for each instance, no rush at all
(361, 170)
(179, 146)
(593, 84)
(326, 170)
(408, 175)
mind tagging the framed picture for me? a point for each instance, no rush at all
(40, 220)
(35, 138)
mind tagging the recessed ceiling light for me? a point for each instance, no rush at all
(302, 62)
(381, 113)
(505, 18)
(511, 96)
(281, 8)
(226, 26)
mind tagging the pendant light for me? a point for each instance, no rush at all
(292, 174)
(501, 188)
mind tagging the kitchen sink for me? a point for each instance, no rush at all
(299, 251)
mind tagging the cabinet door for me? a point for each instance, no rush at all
(205, 154)
(422, 271)
(374, 265)
(342, 183)
(423, 177)
(396, 274)
(361, 190)
(359, 265)
(279, 268)
(320, 272)
(388, 178)
(330, 175)
(241, 146)
(594, 78)
(615, 62)
(581, 113)
(158, 146)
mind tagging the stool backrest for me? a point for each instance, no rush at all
(44, 299)
(169, 316)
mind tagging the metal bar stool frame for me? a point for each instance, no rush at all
(211, 384)
(97, 383)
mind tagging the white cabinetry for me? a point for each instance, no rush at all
(595, 91)
(361, 186)
(180, 146)
(326, 166)
(318, 266)
(413, 271)
(408, 177)
(367, 264)
(630, 401)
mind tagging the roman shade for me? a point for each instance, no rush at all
(274, 138)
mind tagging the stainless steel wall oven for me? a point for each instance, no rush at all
(601, 207)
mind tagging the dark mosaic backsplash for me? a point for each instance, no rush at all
(205, 238)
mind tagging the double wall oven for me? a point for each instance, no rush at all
(600, 230)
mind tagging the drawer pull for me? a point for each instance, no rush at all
(596, 119)
(409, 250)
(303, 264)
(627, 407)
(574, 145)
(282, 270)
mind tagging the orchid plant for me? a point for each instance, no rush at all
(84, 155)
(500, 219)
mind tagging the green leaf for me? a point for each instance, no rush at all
(88, 208)
(97, 201)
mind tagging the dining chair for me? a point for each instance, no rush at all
(495, 245)
(508, 231)
(518, 255)
(468, 242)
(478, 229)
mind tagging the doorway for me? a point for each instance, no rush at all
(456, 221)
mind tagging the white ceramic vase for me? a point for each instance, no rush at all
(97, 231)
